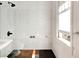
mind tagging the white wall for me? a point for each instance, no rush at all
(24, 20)
(60, 49)
(33, 18)
(7, 21)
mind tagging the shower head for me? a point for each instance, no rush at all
(12, 5)
(0, 3)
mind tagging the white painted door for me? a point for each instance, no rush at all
(76, 29)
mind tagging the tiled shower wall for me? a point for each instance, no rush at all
(24, 20)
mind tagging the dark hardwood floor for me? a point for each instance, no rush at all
(30, 53)
(25, 54)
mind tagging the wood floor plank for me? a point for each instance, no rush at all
(30, 53)
(25, 54)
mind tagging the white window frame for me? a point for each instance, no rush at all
(68, 43)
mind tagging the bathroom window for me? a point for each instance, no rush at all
(64, 21)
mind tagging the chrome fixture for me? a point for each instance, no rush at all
(12, 4)
(9, 33)
(0, 3)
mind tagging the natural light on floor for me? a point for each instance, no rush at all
(33, 54)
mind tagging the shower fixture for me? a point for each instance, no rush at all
(0, 3)
(12, 4)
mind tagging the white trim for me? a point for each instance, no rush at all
(68, 43)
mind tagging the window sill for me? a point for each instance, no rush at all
(68, 43)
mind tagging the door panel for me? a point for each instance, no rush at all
(75, 29)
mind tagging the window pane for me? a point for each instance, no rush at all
(64, 21)
(64, 6)
(61, 8)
